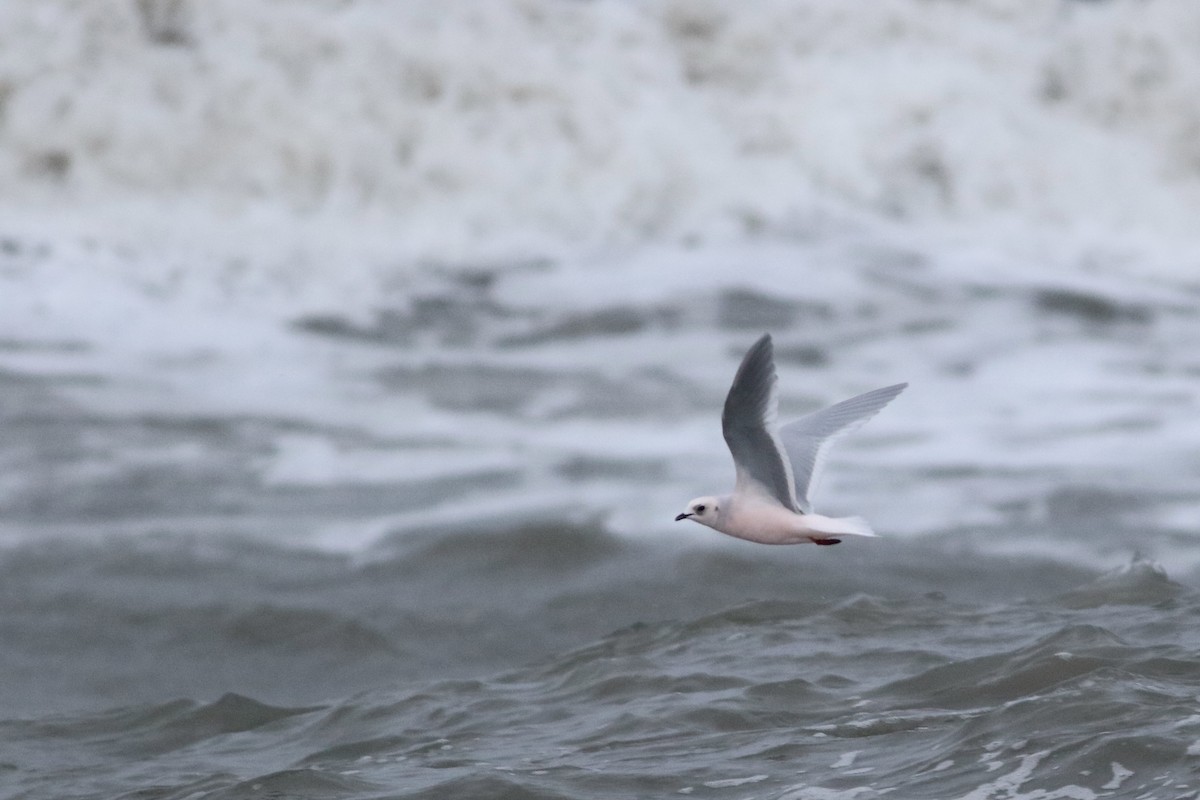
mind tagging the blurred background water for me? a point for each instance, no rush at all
(356, 356)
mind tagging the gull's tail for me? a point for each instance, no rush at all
(838, 526)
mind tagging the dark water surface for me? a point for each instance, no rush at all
(552, 660)
(445, 567)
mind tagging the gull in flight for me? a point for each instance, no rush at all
(776, 468)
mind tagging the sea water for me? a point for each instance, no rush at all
(356, 357)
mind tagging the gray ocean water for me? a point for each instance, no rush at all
(357, 356)
(553, 661)
(169, 633)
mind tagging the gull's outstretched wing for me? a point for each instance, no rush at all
(748, 424)
(807, 439)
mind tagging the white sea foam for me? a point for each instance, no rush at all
(520, 126)
(910, 184)
(1120, 774)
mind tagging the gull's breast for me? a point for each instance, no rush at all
(765, 523)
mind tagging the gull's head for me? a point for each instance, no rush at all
(703, 510)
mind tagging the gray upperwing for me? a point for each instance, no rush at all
(747, 423)
(807, 439)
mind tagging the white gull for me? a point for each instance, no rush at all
(776, 468)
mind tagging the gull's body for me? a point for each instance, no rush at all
(777, 468)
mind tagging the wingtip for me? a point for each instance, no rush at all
(764, 342)
(763, 347)
(758, 361)
(890, 392)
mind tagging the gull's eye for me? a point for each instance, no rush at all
(699, 509)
